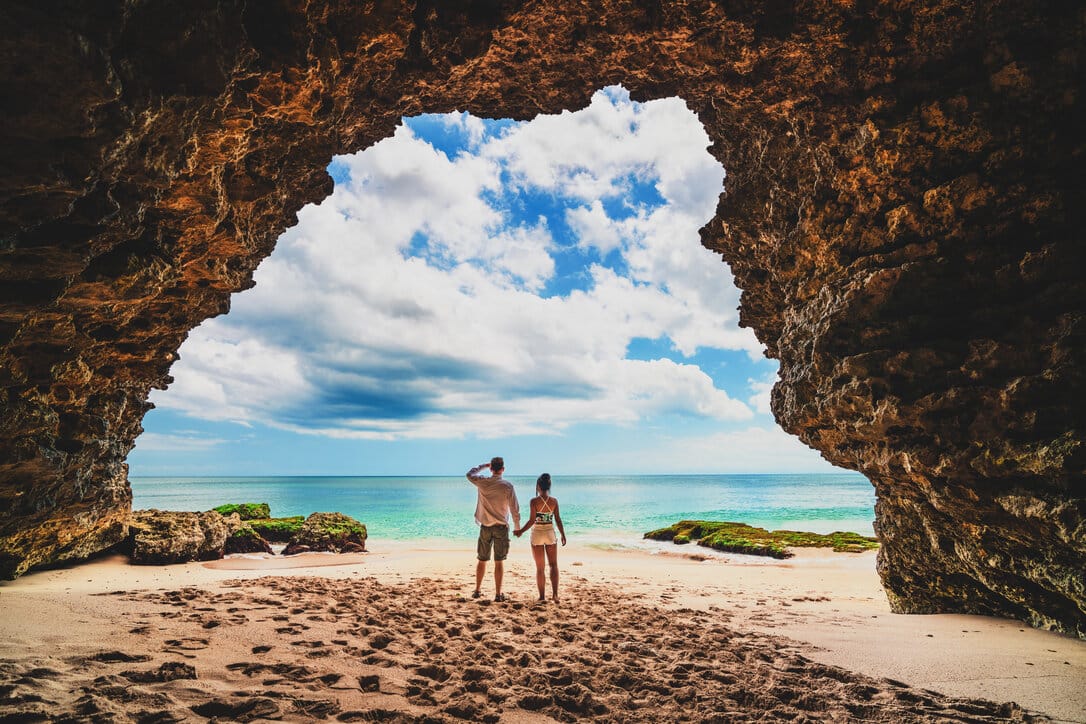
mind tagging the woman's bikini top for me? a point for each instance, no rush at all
(545, 517)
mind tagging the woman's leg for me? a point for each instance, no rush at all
(537, 553)
(552, 558)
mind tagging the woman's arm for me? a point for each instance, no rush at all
(531, 519)
(558, 522)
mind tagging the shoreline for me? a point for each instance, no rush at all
(826, 607)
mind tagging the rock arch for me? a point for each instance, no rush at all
(903, 214)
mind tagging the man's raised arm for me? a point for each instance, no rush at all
(474, 476)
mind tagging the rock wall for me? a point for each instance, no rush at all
(903, 213)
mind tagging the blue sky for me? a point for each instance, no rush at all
(474, 288)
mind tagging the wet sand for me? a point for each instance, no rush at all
(393, 635)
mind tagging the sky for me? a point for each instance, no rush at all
(477, 287)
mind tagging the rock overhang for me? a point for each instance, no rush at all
(901, 213)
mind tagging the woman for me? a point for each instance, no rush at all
(544, 516)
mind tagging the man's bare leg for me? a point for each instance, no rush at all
(480, 571)
(499, 569)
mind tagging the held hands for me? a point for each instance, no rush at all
(520, 531)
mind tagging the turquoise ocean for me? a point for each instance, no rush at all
(597, 509)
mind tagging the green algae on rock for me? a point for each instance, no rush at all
(328, 532)
(246, 511)
(743, 538)
(277, 530)
(259, 529)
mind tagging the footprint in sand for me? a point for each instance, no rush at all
(308, 644)
(315, 708)
(369, 683)
(380, 641)
(168, 671)
(246, 710)
(182, 646)
(434, 672)
(117, 657)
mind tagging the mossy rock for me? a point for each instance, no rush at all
(743, 538)
(162, 537)
(277, 530)
(686, 530)
(245, 511)
(328, 532)
(246, 540)
(839, 541)
(662, 533)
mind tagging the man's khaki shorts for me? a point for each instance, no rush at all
(496, 536)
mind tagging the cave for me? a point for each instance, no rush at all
(903, 214)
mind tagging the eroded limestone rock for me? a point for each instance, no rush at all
(332, 532)
(903, 212)
(162, 537)
(246, 540)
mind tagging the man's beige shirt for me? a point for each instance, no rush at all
(497, 499)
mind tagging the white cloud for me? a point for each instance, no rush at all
(762, 390)
(467, 124)
(587, 154)
(354, 329)
(222, 377)
(750, 450)
(594, 229)
(522, 254)
(159, 442)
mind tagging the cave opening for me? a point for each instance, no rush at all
(533, 287)
(902, 217)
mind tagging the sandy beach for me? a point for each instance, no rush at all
(393, 635)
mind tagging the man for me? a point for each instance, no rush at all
(497, 500)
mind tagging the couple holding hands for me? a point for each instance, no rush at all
(497, 502)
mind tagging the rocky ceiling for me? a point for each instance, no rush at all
(904, 214)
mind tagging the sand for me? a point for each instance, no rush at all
(393, 635)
